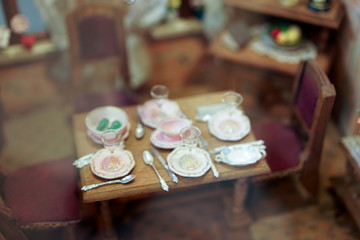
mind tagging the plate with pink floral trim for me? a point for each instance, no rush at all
(229, 125)
(151, 113)
(112, 165)
(194, 163)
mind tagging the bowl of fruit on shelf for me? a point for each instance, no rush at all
(286, 35)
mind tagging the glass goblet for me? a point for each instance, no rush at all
(129, 2)
(159, 93)
(232, 100)
(111, 139)
(191, 137)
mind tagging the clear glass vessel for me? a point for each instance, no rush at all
(191, 137)
(159, 92)
(111, 139)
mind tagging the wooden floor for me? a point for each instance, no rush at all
(184, 66)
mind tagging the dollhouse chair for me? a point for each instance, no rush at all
(296, 147)
(96, 34)
(38, 197)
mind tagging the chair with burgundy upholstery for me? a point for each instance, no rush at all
(296, 146)
(97, 35)
(39, 196)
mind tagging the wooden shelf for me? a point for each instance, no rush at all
(177, 28)
(17, 53)
(300, 12)
(247, 56)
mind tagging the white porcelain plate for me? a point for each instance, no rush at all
(240, 155)
(151, 113)
(189, 164)
(112, 165)
(98, 140)
(229, 126)
(161, 140)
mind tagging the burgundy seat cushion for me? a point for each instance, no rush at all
(44, 192)
(282, 145)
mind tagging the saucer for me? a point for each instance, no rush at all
(241, 154)
(112, 165)
(229, 125)
(161, 140)
(151, 114)
(178, 162)
(98, 140)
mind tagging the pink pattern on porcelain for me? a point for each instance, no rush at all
(112, 113)
(178, 162)
(161, 140)
(151, 113)
(112, 165)
(172, 127)
(229, 125)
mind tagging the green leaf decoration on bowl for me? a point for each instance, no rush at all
(115, 124)
(102, 124)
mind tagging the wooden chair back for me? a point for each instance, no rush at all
(96, 32)
(313, 100)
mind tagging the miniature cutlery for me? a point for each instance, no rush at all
(255, 143)
(163, 163)
(139, 131)
(212, 165)
(124, 180)
(83, 161)
(213, 169)
(149, 160)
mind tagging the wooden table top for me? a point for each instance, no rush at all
(146, 180)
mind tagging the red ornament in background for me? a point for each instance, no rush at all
(27, 41)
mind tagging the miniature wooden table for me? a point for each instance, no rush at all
(146, 181)
(347, 187)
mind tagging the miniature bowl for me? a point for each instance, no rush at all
(112, 114)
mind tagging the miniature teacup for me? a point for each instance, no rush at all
(172, 127)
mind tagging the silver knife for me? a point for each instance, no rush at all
(163, 163)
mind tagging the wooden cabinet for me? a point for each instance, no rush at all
(325, 23)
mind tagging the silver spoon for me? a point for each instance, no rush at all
(139, 131)
(149, 160)
(124, 180)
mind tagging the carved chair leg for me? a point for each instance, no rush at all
(305, 194)
(8, 230)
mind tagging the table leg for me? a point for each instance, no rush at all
(107, 230)
(237, 217)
